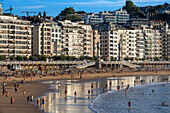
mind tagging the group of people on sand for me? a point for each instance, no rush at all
(30, 99)
(4, 90)
(16, 87)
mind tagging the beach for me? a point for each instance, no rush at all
(32, 86)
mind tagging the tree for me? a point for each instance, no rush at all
(156, 59)
(42, 58)
(66, 14)
(19, 58)
(75, 18)
(68, 17)
(62, 57)
(39, 14)
(44, 14)
(105, 59)
(126, 58)
(131, 59)
(56, 58)
(68, 58)
(132, 9)
(72, 58)
(12, 58)
(24, 58)
(31, 58)
(2, 57)
(66, 11)
(81, 57)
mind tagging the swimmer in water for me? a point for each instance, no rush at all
(129, 104)
(163, 104)
(153, 90)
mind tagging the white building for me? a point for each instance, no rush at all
(135, 43)
(117, 17)
(15, 36)
(77, 39)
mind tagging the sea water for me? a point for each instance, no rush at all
(110, 101)
(148, 102)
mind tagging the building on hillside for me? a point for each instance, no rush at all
(138, 22)
(156, 23)
(93, 19)
(80, 14)
(15, 36)
(118, 17)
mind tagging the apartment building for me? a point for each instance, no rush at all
(153, 43)
(56, 38)
(77, 39)
(122, 16)
(15, 36)
(117, 17)
(138, 22)
(117, 43)
(96, 42)
(42, 41)
(109, 41)
(166, 41)
(93, 19)
(88, 40)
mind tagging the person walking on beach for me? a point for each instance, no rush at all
(28, 98)
(75, 94)
(110, 84)
(43, 103)
(7, 93)
(24, 93)
(31, 98)
(97, 77)
(92, 86)
(104, 90)
(125, 91)
(12, 100)
(65, 94)
(88, 93)
(3, 91)
(16, 89)
(129, 104)
(38, 101)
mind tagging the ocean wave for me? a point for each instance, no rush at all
(103, 98)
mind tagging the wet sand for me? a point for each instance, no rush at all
(37, 89)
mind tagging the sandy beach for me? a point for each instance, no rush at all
(38, 89)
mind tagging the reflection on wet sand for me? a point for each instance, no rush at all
(74, 96)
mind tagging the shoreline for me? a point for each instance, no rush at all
(39, 89)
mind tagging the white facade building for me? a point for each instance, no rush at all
(117, 17)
